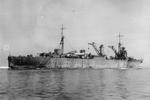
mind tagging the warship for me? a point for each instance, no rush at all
(73, 59)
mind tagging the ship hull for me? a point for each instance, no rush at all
(69, 63)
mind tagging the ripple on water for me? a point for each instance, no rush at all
(89, 84)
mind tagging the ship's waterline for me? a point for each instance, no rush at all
(74, 59)
(48, 62)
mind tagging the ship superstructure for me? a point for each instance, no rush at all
(74, 59)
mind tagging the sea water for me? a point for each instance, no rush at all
(75, 84)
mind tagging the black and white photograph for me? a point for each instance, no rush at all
(74, 49)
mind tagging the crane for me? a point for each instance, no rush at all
(115, 51)
(95, 48)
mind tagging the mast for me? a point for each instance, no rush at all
(62, 40)
(119, 44)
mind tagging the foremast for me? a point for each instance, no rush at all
(62, 40)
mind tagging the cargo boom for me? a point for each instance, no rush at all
(71, 60)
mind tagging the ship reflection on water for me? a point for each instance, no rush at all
(77, 84)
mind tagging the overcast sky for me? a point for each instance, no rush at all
(32, 26)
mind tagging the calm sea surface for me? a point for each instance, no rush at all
(83, 84)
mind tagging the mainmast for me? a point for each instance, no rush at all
(62, 40)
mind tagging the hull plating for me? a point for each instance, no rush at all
(71, 63)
